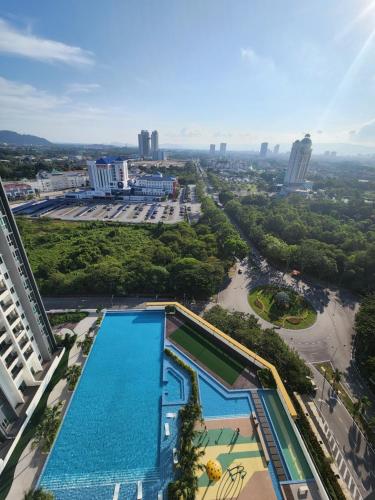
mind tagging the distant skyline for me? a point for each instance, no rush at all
(199, 72)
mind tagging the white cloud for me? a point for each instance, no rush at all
(13, 41)
(251, 57)
(365, 133)
(81, 88)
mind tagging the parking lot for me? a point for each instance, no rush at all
(168, 212)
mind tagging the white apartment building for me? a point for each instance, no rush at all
(298, 161)
(26, 340)
(155, 185)
(58, 180)
(108, 176)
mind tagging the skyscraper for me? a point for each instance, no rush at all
(144, 143)
(276, 149)
(263, 149)
(154, 141)
(223, 148)
(26, 338)
(298, 161)
(212, 149)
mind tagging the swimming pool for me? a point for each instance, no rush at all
(289, 446)
(216, 400)
(111, 432)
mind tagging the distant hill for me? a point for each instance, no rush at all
(9, 137)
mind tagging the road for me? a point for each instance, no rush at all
(346, 442)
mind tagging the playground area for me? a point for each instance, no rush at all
(244, 472)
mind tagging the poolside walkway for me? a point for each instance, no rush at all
(31, 461)
(239, 452)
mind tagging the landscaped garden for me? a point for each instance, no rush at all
(213, 357)
(282, 307)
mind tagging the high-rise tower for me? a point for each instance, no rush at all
(263, 149)
(144, 143)
(154, 141)
(299, 161)
(26, 338)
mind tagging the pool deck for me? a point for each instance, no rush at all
(220, 441)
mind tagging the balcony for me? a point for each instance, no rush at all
(2, 332)
(15, 371)
(10, 358)
(6, 304)
(24, 340)
(4, 346)
(3, 287)
(12, 316)
(17, 330)
(28, 352)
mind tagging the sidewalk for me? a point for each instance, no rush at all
(32, 461)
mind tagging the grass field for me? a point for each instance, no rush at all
(214, 358)
(300, 315)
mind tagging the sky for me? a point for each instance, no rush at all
(199, 71)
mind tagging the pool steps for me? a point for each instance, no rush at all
(101, 479)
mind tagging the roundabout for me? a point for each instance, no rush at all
(281, 306)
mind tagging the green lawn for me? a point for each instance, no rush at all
(300, 315)
(214, 358)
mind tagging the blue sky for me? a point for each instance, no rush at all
(199, 71)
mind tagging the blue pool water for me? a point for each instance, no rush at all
(174, 387)
(216, 400)
(111, 432)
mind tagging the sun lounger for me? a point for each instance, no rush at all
(166, 429)
(170, 415)
(175, 456)
(139, 490)
(116, 491)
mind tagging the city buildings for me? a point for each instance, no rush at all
(58, 180)
(223, 148)
(154, 185)
(298, 162)
(18, 190)
(212, 149)
(263, 149)
(154, 141)
(144, 143)
(108, 176)
(26, 340)
(276, 149)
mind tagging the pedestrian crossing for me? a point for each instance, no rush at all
(341, 465)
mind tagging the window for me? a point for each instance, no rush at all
(27, 327)
(32, 338)
(17, 303)
(6, 276)
(40, 357)
(23, 314)
(12, 290)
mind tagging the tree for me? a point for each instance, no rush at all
(282, 300)
(72, 375)
(336, 377)
(46, 431)
(39, 494)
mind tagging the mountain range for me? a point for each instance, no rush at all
(13, 138)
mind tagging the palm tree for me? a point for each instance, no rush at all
(46, 431)
(39, 494)
(72, 375)
(336, 377)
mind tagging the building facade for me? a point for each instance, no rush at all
(276, 149)
(155, 185)
(154, 141)
(263, 149)
(58, 180)
(18, 190)
(108, 176)
(298, 161)
(144, 143)
(212, 149)
(26, 339)
(223, 148)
